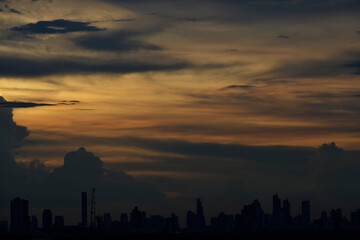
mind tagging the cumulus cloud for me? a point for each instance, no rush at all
(81, 171)
(11, 137)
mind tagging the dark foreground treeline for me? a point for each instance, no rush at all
(193, 236)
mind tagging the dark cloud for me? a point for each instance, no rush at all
(7, 104)
(82, 170)
(23, 104)
(321, 174)
(246, 11)
(189, 19)
(119, 41)
(238, 87)
(334, 172)
(124, 20)
(336, 65)
(11, 137)
(232, 50)
(270, 154)
(56, 26)
(37, 67)
(354, 65)
(15, 11)
(283, 36)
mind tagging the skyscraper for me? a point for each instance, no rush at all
(200, 219)
(19, 216)
(305, 214)
(34, 224)
(84, 209)
(59, 222)
(276, 218)
(47, 220)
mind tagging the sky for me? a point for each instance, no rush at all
(157, 103)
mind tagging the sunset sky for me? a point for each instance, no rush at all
(220, 99)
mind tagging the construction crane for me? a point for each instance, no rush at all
(92, 210)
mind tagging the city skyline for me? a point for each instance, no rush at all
(252, 218)
(156, 103)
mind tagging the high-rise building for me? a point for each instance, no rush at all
(191, 221)
(19, 222)
(276, 218)
(84, 209)
(107, 222)
(286, 216)
(3, 227)
(305, 214)
(200, 219)
(59, 222)
(47, 220)
(34, 224)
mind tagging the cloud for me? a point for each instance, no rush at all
(334, 172)
(335, 65)
(245, 11)
(12, 66)
(15, 11)
(283, 36)
(237, 87)
(355, 65)
(81, 171)
(120, 41)
(7, 104)
(327, 173)
(11, 137)
(55, 27)
(23, 104)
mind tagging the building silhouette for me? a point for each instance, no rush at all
(20, 222)
(223, 223)
(137, 219)
(34, 224)
(4, 228)
(59, 222)
(355, 220)
(84, 209)
(107, 222)
(47, 220)
(276, 215)
(305, 215)
(172, 224)
(195, 222)
(252, 218)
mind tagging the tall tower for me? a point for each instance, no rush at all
(305, 213)
(84, 209)
(47, 220)
(19, 216)
(200, 216)
(276, 212)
